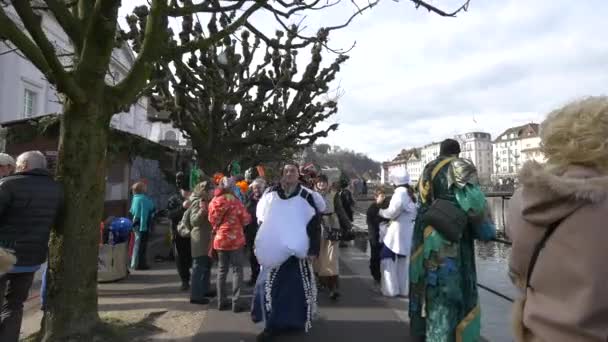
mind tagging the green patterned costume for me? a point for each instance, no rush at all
(444, 305)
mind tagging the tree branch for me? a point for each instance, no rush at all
(203, 8)
(150, 52)
(10, 31)
(464, 7)
(205, 43)
(68, 22)
(64, 81)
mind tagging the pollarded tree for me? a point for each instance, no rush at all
(245, 100)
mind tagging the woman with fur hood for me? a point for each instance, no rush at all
(557, 223)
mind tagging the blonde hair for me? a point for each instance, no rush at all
(577, 134)
(201, 190)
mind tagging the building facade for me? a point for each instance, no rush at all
(429, 152)
(512, 149)
(414, 166)
(26, 94)
(477, 147)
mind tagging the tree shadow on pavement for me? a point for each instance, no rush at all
(324, 331)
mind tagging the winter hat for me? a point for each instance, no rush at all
(401, 178)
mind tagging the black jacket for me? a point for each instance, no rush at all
(176, 210)
(30, 203)
(252, 228)
(374, 219)
(347, 203)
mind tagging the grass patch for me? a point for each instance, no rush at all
(109, 329)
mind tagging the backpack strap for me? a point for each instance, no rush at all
(539, 247)
(307, 195)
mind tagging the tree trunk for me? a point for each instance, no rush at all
(72, 286)
(211, 162)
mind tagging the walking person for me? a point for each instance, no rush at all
(348, 204)
(397, 242)
(327, 265)
(228, 218)
(257, 190)
(287, 241)
(30, 203)
(444, 303)
(142, 211)
(180, 245)
(195, 224)
(557, 223)
(374, 220)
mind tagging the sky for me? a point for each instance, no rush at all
(414, 77)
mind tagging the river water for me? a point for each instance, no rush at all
(492, 258)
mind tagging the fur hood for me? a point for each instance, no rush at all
(550, 194)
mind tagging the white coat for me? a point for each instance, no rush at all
(402, 213)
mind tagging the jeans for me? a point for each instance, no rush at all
(201, 277)
(14, 289)
(227, 260)
(183, 257)
(139, 258)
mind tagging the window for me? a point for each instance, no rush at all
(29, 103)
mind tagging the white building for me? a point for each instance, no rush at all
(25, 93)
(429, 152)
(477, 147)
(513, 148)
(415, 166)
(406, 161)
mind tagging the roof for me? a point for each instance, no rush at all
(52, 119)
(405, 155)
(525, 131)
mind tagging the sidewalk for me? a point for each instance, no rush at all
(358, 316)
(153, 297)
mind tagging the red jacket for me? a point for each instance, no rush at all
(228, 216)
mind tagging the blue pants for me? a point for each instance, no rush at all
(201, 277)
(139, 257)
(43, 288)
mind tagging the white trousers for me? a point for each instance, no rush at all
(395, 276)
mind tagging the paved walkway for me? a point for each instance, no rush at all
(359, 316)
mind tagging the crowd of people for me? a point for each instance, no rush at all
(421, 238)
(233, 220)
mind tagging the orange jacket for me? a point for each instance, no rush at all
(228, 216)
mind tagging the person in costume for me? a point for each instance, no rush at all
(398, 239)
(287, 241)
(444, 303)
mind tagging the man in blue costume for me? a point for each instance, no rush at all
(288, 238)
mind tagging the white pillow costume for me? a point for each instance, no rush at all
(282, 231)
